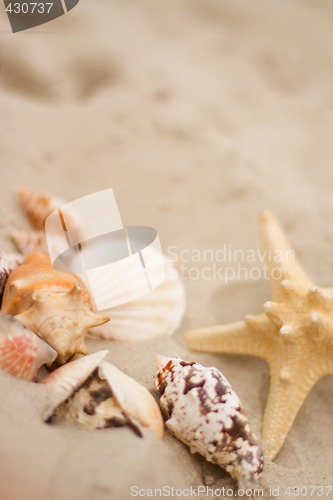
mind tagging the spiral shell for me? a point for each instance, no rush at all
(38, 206)
(205, 413)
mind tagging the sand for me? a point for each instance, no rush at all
(198, 114)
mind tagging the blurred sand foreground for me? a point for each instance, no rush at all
(198, 114)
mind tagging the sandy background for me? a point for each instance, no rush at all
(199, 114)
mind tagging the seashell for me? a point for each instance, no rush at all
(96, 399)
(8, 262)
(69, 377)
(38, 206)
(158, 312)
(28, 242)
(133, 398)
(22, 353)
(54, 305)
(205, 413)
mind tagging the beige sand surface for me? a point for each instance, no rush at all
(199, 114)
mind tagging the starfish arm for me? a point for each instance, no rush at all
(286, 395)
(250, 337)
(279, 257)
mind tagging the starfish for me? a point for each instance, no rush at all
(294, 335)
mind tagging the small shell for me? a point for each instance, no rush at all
(22, 353)
(105, 398)
(28, 242)
(38, 206)
(205, 413)
(54, 305)
(159, 312)
(8, 262)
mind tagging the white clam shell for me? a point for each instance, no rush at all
(134, 399)
(159, 312)
(66, 379)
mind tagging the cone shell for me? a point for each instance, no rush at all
(134, 402)
(54, 305)
(22, 353)
(159, 312)
(204, 412)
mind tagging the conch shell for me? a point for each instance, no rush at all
(94, 394)
(22, 353)
(54, 305)
(205, 413)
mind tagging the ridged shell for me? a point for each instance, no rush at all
(205, 413)
(54, 305)
(22, 353)
(158, 312)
